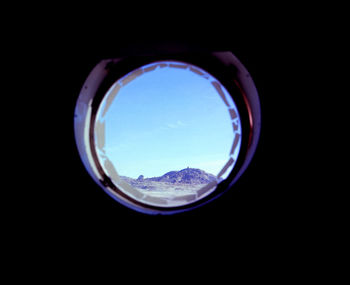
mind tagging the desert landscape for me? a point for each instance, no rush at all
(185, 180)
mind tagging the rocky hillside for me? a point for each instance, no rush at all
(190, 179)
(185, 176)
(190, 176)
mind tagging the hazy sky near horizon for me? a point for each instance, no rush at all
(168, 119)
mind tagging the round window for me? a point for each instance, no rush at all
(163, 137)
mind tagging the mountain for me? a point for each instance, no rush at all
(185, 179)
(185, 176)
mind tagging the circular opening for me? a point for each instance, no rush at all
(166, 134)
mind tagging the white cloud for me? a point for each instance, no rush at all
(172, 126)
(180, 123)
(176, 125)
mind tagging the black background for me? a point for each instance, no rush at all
(273, 224)
(66, 211)
(259, 200)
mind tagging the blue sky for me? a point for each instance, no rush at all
(168, 119)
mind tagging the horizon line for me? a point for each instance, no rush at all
(168, 172)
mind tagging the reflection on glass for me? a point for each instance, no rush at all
(167, 133)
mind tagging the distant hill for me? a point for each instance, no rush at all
(188, 178)
(185, 176)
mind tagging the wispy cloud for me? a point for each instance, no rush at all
(176, 125)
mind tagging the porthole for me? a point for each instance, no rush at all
(165, 135)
